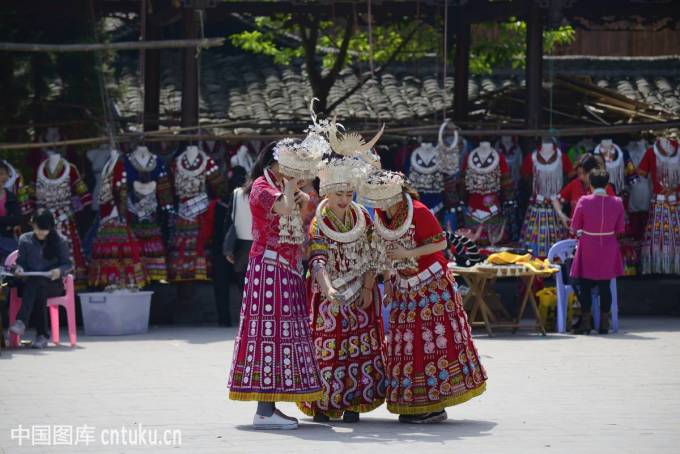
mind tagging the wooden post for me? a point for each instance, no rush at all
(462, 67)
(534, 68)
(190, 74)
(152, 79)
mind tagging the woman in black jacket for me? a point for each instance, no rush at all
(10, 215)
(42, 250)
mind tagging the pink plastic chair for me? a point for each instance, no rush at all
(68, 301)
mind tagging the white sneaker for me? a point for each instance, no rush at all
(274, 422)
(18, 328)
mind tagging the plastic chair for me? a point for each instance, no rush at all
(564, 250)
(68, 301)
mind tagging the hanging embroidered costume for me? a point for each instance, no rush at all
(116, 253)
(432, 362)
(542, 227)
(189, 244)
(513, 157)
(273, 353)
(661, 246)
(347, 337)
(64, 193)
(149, 193)
(621, 170)
(17, 186)
(490, 195)
(425, 174)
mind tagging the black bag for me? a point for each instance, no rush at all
(241, 253)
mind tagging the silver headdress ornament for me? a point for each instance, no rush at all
(449, 155)
(350, 143)
(345, 171)
(381, 189)
(300, 160)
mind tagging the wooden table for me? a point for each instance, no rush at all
(481, 277)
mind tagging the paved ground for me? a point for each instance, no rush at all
(559, 394)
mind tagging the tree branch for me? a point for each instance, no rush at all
(342, 55)
(377, 72)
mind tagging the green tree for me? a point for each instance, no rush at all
(329, 46)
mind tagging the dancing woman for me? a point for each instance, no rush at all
(432, 362)
(273, 353)
(346, 324)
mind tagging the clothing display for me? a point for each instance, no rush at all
(542, 228)
(661, 246)
(60, 189)
(618, 164)
(116, 253)
(20, 189)
(490, 199)
(196, 181)
(426, 176)
(149, 200)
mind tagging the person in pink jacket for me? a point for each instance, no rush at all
(597, 221)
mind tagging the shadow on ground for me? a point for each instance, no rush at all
(386, 430)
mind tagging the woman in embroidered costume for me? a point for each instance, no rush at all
(432, 362)
(542, 227)
(273, 354)
(116, 253)
(60, 189)
(490, 194)
(661, 246)
(149, 195)
(346, 324)
(197, 180)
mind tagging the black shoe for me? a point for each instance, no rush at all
(350, 417)
(604, 323)
(430, 418)
(321, 417)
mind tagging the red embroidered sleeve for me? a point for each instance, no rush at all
(428, 229)
(215, 179)
(527, 166)
(164, 192)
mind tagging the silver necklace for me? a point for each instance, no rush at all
(393, 235)
(342, 237)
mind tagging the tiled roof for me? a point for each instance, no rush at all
(246, 88)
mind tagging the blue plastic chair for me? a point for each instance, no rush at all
(564, 250)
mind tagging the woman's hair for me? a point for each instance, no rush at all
(598, 178)
(44, 220)
(264, 159)
(589, 162)
(4, 166)
(407, 188)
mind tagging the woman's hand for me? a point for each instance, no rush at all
(55, 274)
(230, 258)
(301, 198)
(565, 220)
(399, 252)
(333, 295)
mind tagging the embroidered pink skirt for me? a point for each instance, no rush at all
(273, 352)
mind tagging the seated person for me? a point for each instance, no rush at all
(42, 250)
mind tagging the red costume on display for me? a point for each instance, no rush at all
(116, 254)
(64, 193)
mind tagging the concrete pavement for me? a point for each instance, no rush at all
(556, 394)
